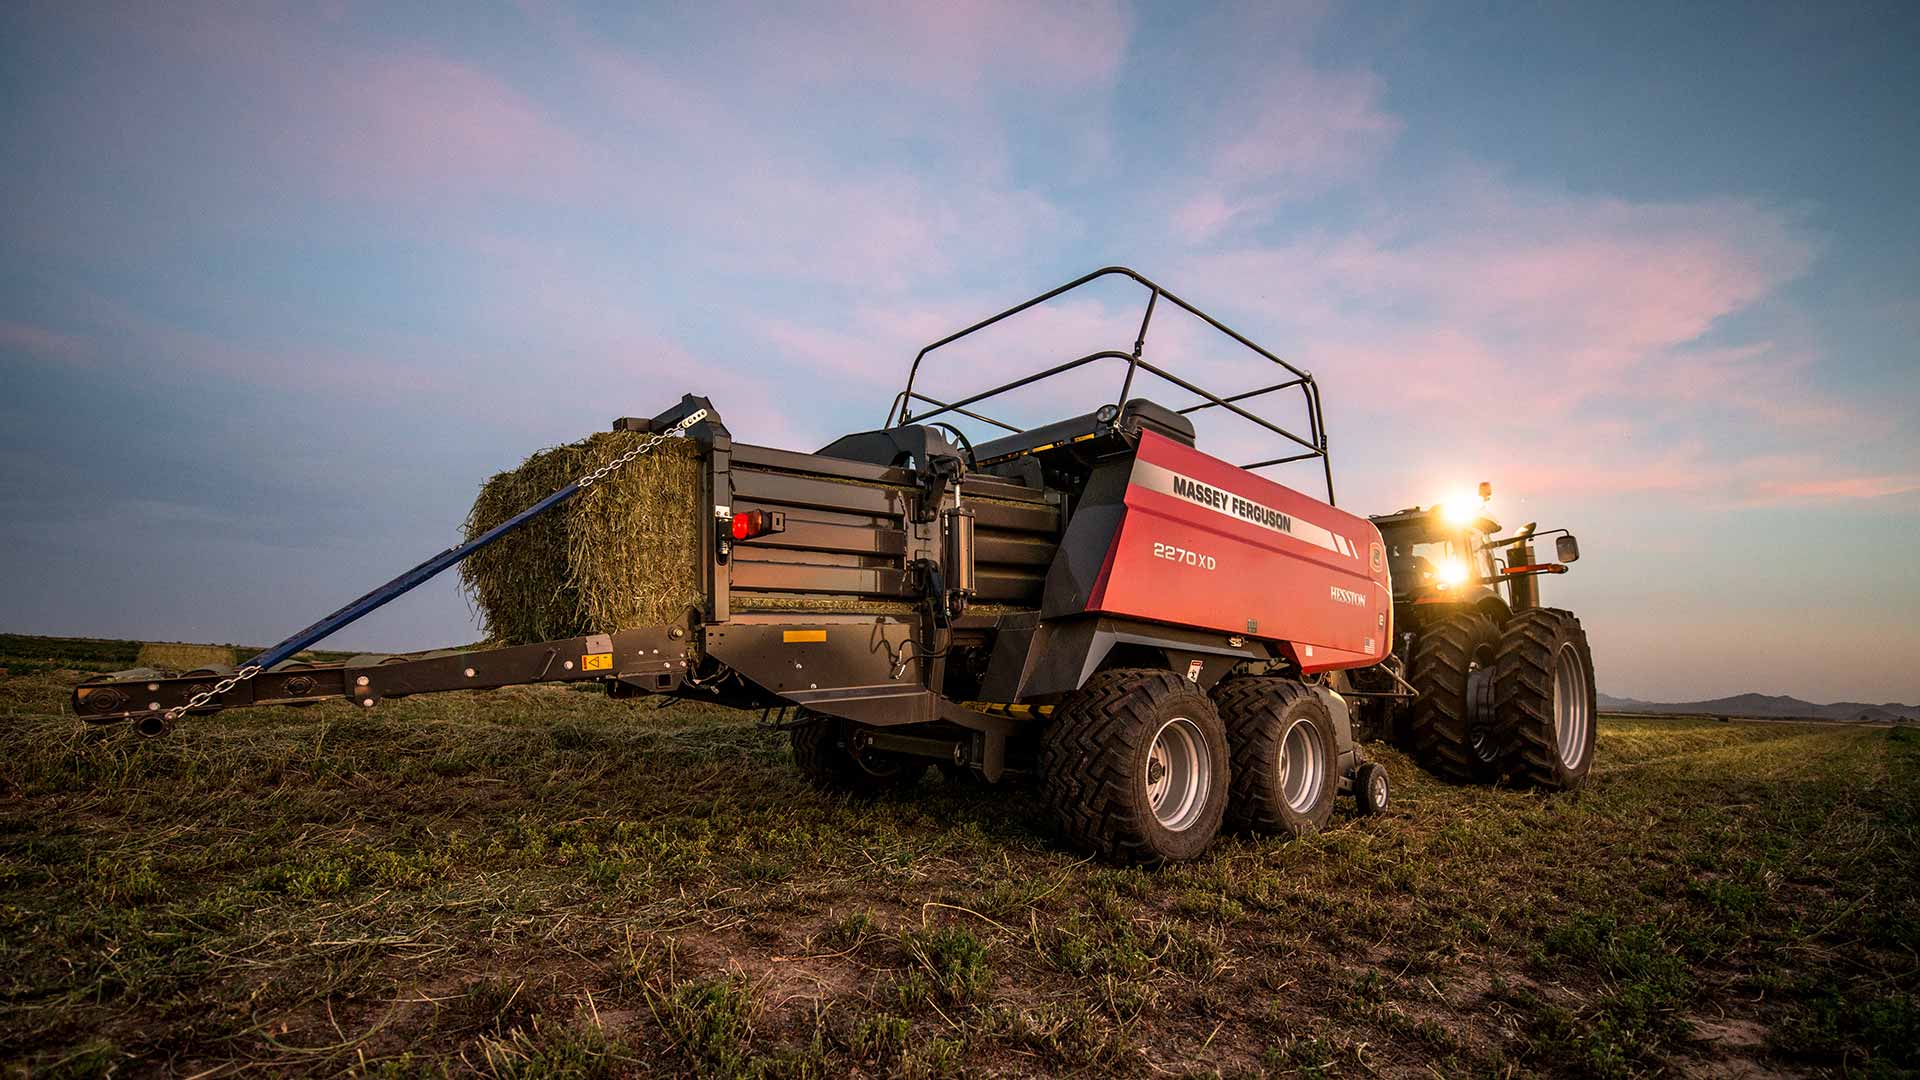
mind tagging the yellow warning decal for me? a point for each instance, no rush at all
(1021, 712)
(797, 637)
(598, 661)
(82, 692)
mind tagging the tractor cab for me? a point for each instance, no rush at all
(1451, 554)
(1434, 558)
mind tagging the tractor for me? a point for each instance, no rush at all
(1484, 684)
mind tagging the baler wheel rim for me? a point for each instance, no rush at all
(1303, 767)
(1179, 774)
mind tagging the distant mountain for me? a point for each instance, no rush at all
(1768, 706)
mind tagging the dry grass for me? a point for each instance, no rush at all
(172, 656)
(548, 882)
(622, 554)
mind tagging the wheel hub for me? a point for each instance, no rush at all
(1480, 711)
(1303, 766)
(1179, 774)
(1571, 719)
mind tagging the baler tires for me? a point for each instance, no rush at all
(1544, 697)
(1454, 658)
(1134, 767)
(821, 752)
(1286, 763)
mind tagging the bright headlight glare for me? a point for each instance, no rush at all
(1452, 571)
(1461, 509)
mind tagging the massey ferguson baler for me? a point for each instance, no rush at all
(1157, 635)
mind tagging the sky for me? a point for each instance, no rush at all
(281, 286)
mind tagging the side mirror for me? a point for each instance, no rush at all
(1566, 548)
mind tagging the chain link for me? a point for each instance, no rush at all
(219, 688)
(645, 445)
(616, 464)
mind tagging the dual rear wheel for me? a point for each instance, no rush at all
(1141, 766)
(1514, 701)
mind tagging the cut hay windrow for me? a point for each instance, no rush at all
(174, 656)
(622, 554)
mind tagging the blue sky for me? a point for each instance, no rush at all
(282, 286)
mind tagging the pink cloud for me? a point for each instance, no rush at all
(877, 349)
(42, 343)
(1307, 124)
(1291, 129)
(1493, 316)
(419, 124)
(766, 203)
(304, 108)
(955, 50)
(1836, 488)
(884, 231)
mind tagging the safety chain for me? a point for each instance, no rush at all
(615, 465)
(647, 444)
(219, 688)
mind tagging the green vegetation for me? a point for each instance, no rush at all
(22, 654)
(545, 882)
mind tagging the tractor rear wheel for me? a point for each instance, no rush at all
(1452, 730)
(1134, 767)
(1285, 759)
(822, 750)
(1544, 699)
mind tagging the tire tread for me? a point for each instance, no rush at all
(1439, 734)
(1085, 784)
(1523, 697)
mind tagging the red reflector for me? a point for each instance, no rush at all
(742, 526)
(751, 523)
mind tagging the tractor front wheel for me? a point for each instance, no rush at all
(1544, 699)
(1453, 726)
(1134, 767)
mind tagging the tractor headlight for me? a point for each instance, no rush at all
(1452, 572)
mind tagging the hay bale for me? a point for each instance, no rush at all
(623, 554)
(173, 656)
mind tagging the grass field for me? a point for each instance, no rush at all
(547, 882)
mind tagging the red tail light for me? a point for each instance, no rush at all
(752, 523)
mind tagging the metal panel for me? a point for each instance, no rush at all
(787, 490)
(807, 577)
(1012, 551)
(1010, 587)
(802, 534)
(1032, 519)
(758, 457)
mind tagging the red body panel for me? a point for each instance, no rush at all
(1207, 544)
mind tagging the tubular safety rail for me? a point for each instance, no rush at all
(1314, 443)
